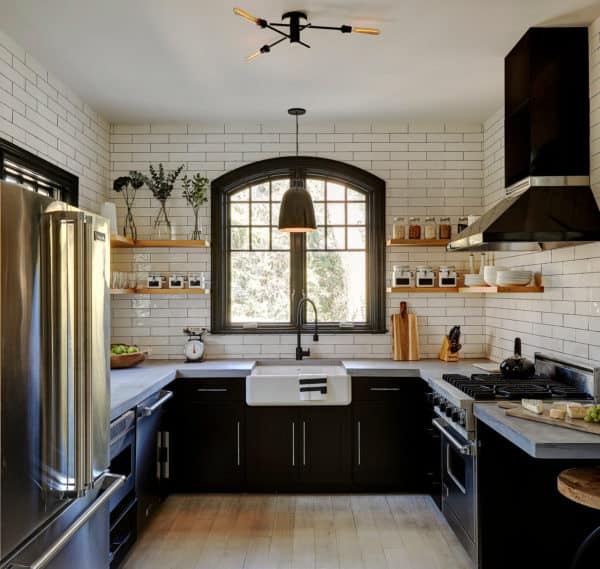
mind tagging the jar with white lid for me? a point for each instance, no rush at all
(425, 277)
(447, 276)
(402, 276)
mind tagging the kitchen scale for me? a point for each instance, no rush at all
(193, 349)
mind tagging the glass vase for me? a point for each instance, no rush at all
(162, 224)
(197, 232)
(129, 229)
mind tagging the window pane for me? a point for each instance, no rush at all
(336, 238)
(320, 213)
(316, 189)
(240, 238)
(336, 282)
(260, 237)
(260, 214)
(357, 214)
(316, 239)
(260, 286)
(260, 193)
(241, 196)
(278, 188)
(356, 238)
(275, 212)
(336, 192)
(336, 214)
(240, 214)
(280, 239)
(355, 196)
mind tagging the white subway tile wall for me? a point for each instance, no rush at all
(39, 113)
(429, 169)
(565, 319)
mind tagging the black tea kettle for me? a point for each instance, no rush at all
(517, 367)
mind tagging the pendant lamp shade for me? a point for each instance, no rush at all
(297, 213)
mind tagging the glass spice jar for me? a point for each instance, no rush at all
(444, 228)
(399, 228)
(429, 228)
(463, 223)
(414, 228)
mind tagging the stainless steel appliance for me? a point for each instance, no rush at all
(54, 479)
(452, 398)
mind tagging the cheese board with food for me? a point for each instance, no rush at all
(575, 416)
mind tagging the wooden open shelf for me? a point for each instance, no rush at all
(120, 242)
(144, 290)
(430, 289)
(417, 242)
(499, 289)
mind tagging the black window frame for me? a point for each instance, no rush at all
(65, 181)
(305, 166)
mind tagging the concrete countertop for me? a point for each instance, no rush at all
(129, 387)
(537, 439)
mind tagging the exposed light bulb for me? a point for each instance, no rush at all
(246, 15)
(370, 31)
(254, 55)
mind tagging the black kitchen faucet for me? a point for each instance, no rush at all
(300, 353)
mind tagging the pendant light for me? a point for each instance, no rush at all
(297, 214)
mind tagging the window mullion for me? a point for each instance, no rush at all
(297, 271)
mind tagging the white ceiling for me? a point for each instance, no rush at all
(175, 60)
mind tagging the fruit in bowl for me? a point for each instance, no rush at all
(124, 356)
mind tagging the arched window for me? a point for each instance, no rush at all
(260, 273)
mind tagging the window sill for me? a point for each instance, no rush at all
(325, 330)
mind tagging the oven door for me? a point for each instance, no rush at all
(459, 484)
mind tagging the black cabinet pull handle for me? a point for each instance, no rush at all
(212, 389)
(384, 389)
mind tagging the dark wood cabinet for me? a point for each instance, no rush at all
(547, 105)
(325, 446)
(388, 419)
(208, 435)
(272, 439)
(293, 447)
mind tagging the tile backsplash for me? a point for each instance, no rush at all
(429, 169)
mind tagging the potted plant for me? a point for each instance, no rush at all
(161, 183)
(194, 192)
(128, 186)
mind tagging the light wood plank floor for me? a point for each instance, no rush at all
(231, 531)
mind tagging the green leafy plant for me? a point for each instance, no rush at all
(160, 182)
(194, 190)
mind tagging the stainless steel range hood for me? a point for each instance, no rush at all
(538, 213)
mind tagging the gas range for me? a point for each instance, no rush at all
(454, 395)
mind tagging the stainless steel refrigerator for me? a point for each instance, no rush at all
(54, 379)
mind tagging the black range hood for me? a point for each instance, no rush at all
(549, 202)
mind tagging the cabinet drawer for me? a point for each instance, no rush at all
(207, 390)
(375, 389)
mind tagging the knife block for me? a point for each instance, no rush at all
(445, 354)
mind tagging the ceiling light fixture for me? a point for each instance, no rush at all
(297, 213)
(298, 22)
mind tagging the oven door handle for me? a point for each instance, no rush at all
(440, 425)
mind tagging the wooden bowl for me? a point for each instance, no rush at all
(126, 360)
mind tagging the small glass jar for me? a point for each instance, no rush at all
(463, 223)
(444, 228)
(414, 228)
(399, 228)
(429, 228)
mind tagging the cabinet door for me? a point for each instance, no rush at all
(388, 445)
(325, 443)
(208, 453)
(147, 467)
(272, 442)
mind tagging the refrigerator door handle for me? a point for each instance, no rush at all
(111, 483)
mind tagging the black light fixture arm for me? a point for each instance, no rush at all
(295, 27)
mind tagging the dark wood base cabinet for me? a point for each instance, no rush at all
(523, 520)
(291, 448)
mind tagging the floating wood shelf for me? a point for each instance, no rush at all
(146, 290)
(499, 289)
(120, 242)
(417, 242)
(430, 289)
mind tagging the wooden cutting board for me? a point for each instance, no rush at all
(516, 410)
(405, 335)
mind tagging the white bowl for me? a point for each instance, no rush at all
(489, 274)
(513, 278)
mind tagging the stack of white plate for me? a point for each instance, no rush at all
(474, 280)
(513, 277)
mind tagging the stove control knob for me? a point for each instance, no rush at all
(456, 416)
(442, 405)
(462, 418)
(449, 410)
